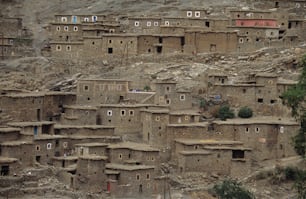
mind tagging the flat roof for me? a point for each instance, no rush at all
(185, 112)
(81, 137)
(93, 157)
(48, 137)
(286, 82)
(15, 143)
(102, 79)
(157, 111)
(7, 160)
(8, 129)
(65, 158)
(133, 146)
(24, 124)
(227, 148)
(61, 126)
(92, 144)
(195, 124)
(195, 152)
(266, 75)
(81, 107)
(111, 172)
(127, 167)
(259, 120)
(207, 142)
(239, 85)
(125, 105)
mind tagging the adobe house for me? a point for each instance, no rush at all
(65, 161)
(34, 129)
(167, 94)
(84, 130)
(90, 174)
(9, 166)
(11, 26)
(127, 180)
(154, 123)
(93, 148)
(267, 136)
(63, 49)
(144, 25)
(184, 117)
(125, 117)
(210, 41)
(9, 134)
(21, 150)
(192, 13)
(101, 91)
(66, 32)
(223, 157)
(76, 19)
(79, 115)
(133, 153)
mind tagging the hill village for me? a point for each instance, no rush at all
(108, 137)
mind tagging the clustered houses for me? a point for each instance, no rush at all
(14, 39)
(189, 32)
(83, 133)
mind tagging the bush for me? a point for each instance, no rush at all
(225, 113)
(245, 112)
(231, 189)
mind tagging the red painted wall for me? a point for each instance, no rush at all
(256, 22)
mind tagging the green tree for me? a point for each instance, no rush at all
(231, 189)
(225, 112)
(245, 112)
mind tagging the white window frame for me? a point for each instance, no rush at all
(58, 48)
(136, 23)
(167, 23)
(109, 113)
(86, 19)
(168, 101)
(241, 40)
(257, 129)
(189, 13)
(66, 28)
(64, 19)
(93, 18)
(157, 118)
(149, 23)
(156, 23)
(65, 145)
(49, 146)
(75, 28)
(197, 14)
(182, 97)
(58, 28)
(281, 129)
(131, 112)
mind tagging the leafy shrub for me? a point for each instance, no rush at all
(231, 189)
(225, 112)
(245, 112)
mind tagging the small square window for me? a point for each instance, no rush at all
(66, 28)
(260, 100)
(155, 23)
(58, 28)
(64, 19)
(86, 88)
(37, 148)
(182, 97)
(189, 13)
(131, 112)
(58, 47)
(167, 23)
(94, 18)
(68, 48)
(49, 146)
(137, 177)
(148, 176)
(197, 14)
(75, 28)
(136, 23)
(186, 117)
(110, 50)
(152, 159)
(86, 19)
(109, 113)
(157, 118)
(65, 145)
(149, 23)
(257, 130)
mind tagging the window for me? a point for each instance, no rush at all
(58, 28)
(136, 23)
(186, 117)
(168, 101)
(197, 14)
(182, 97)
(109, 113)
(111, 30)
(149, 23)
(131, 112)
(260, 100)
(207, 24)
(122, 113)
(37, 148)
(86, 88)
(281, 129)
(241, 40)
(272, 101)
(155, 23)
(189, 13)
(65, 145)
(75, 28)
(244, 90)
(74, 19)
(157, 118)
(120, 156)
(148, 176)
(49, 146)
(110, 41)
(246, 129)
(152, 159)
(86, 19)
(66, 28)
(137, 177)
(110, 50)
(68, 48)
(58, 47)
(257, 130)
(167, 23)
(237, 154)
(168, 89)
(94, 18)
(64, 19)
